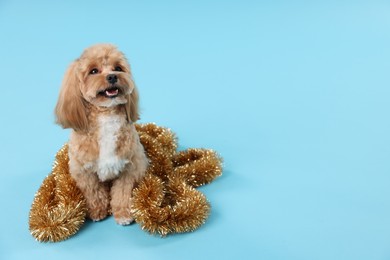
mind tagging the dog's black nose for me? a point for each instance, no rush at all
(112, 78)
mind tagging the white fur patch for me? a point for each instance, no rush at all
(109, 164)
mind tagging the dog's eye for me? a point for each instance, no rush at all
(94, 71)
(118, 68)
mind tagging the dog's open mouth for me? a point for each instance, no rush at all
(110, 92)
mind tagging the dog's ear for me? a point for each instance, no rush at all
(132, 105)
(71, 110)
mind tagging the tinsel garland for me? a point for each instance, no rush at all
(58, 209)
(164, 202)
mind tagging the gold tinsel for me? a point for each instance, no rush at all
(164, 202)
(59, 209)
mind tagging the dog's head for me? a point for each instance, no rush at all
(100, 77)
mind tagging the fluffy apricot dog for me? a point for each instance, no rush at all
(99, 101)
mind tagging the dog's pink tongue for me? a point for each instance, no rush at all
(112, 92)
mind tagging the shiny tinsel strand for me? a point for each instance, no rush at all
(198, 166)
(166, 201)
(58, 209)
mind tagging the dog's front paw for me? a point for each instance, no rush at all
(124, 221)
(123, 218)
(98, 209)
(97, 213)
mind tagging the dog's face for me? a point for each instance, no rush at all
(105, 76)
(100, 77)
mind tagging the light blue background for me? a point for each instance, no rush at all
(293, 94)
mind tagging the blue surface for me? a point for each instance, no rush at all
(294, 96)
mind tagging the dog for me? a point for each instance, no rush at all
(98, 100)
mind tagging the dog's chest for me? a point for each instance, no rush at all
(109, 164)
